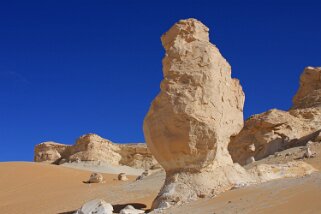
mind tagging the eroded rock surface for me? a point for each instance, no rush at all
(277, 130)
(91, 147)
(96, 178)
(97, 206)
(129, 209)
(190, 122)
(49, 151)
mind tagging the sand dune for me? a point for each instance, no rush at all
(42, 188)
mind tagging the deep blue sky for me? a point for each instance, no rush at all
(73, 67)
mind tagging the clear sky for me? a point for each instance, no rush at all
(73, 67)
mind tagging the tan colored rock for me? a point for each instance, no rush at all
(309, 93)
(122, 177)
(49, 151)
(136, 155)
(96, 178)
(190, 122)
(268, 172)
(277, 130)
(91, 147)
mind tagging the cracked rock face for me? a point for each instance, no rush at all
(277, 130)
(190, 122)
(91, 147)
(309, 93)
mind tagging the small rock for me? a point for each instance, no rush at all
(129, 209)
(97, 206)
(252, 147)
(96, 178)
(122, 177)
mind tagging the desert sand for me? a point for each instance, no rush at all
(43, 188)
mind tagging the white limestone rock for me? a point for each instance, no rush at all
(129, 209)
(190, 122)
(97, 206)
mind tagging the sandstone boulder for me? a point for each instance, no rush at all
(190, 122)
(276, 130)
(96, 178)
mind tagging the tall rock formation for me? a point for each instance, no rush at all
(190, 122)
(277, 130)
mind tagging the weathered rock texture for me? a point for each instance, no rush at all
(92, 147)
(190, 122)
(96, 178)
(97, 206)
(49, 151)
(276, 130)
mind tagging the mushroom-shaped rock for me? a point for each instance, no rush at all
(190, 122)
(96, 206)
(122, 177)
(129, 209)
(96, 178)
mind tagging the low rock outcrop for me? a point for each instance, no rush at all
(49, 151)
(292, 169)
(190, 122)
(277, 130)
(91, 147)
